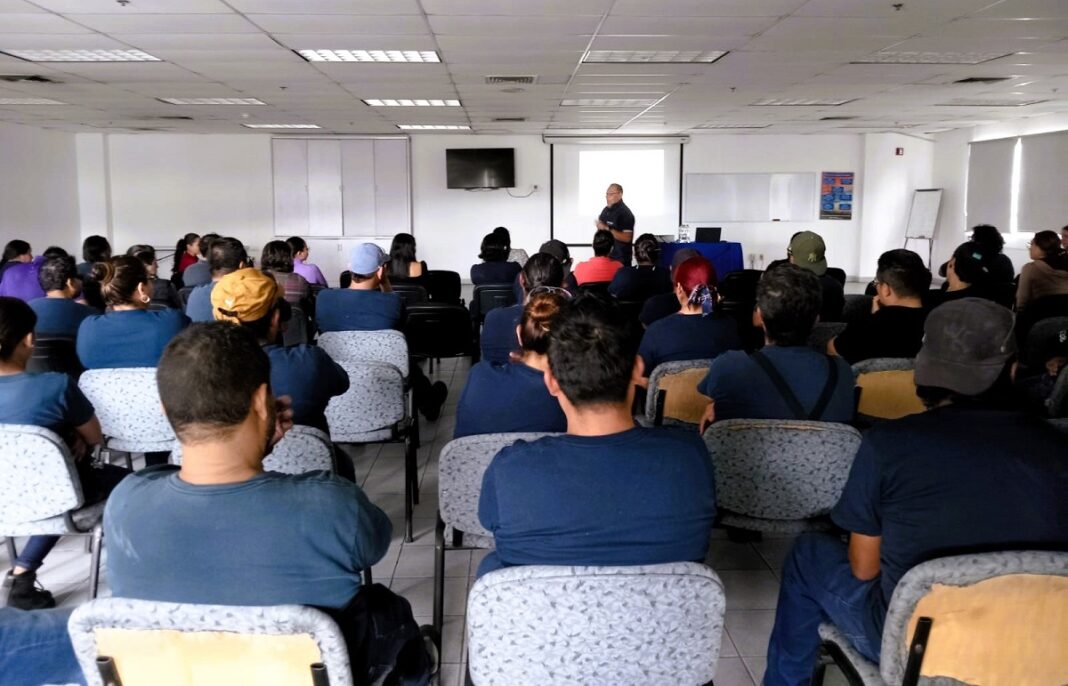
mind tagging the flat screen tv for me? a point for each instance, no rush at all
(480, 167)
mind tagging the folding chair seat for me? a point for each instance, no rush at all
(886, 389)
(128, 406)
(672, 398)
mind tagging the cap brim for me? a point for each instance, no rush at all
(965, 378)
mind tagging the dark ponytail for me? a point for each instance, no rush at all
(14, 249)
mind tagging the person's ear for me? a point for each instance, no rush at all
(552, 384)
(261, 403)
(519, 334)
(523, 282)
(637, 372)
(758, 318)
(27, 340)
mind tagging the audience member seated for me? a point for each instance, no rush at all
(369, 304)
(498, 338)
(808, 251)
(659, 306)
(302, 372)
(558, 249)
(600, 268)
(895, 326)
(94, 249)
(967, 275)
(1064, 237)
(512, 396)
(558, 500)
(517, 255)
(186, 251)
(163, 292)
(58, 315)
(992, 244)
(638, 284)
(18, 272)
(52, 401)
(965, 476)
(286, 539)
(35, 647)
(404, 266)
(277, 260)
(696, 331)
(495, 267)
(783, 260)
(130, 335)
(786, 379)
(301, 266)
(227, 256)
(1047, 273)
(199, 273)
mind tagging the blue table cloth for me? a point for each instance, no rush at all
(726, 257)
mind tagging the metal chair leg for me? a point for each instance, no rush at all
(97, 541)
(439, 574)
(11, 550)
(409, 464)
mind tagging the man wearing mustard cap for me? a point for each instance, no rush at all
(808, 251)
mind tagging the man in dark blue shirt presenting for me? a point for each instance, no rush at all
(617, 218)
(966, 476)
(605, 493)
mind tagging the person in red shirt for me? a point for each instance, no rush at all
(185, 253)
(600, 268)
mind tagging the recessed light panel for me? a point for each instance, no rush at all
(282, 126)
(433, 127)
(212, 101)
(369, 55)
(29, 101)
(987, 102)
(801, 102)
(905, 57)
(389, 102)
(726, 125)
(608, 102)
(82, 55)
(652, 56)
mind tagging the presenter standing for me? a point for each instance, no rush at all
(617, 218)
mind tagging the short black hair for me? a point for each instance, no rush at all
(494, 248)
(971, 261)
(277, 257)
(904, 272)
(207, 376)
(227, 254)
(16, 320)
(296, 243)
(647, 248)
(55, 272)
(591, 353)
(96, 249)
(543, 270)
(989, 237)
(602, 243)
(504, 235)
(789, 299)
(205, 244)
(54, 251)
(143, 252)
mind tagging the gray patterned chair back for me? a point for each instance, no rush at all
(128, 407)
(302, 449)
(883, 364)
(387, 346)
(145, 616)
(655, 624)
(461, 464)
(656, 378)
(960, 571)
(37, 477)
(775, 469)
(374, 403)
(1057, 403)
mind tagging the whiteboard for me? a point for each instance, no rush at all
(923, 214)
(749, 197)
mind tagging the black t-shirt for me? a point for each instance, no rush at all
(890, 332)
(833, 299)
(494, 272)
(639, 283)
(620, 218)
(658, 307)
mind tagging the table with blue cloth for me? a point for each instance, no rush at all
(726, 257)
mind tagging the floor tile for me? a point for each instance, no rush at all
(731, 671)
(420, 593)
(749, 630)
(725, 555)
(774, 551)
(750, 590)
(418, 561)
(756, 666)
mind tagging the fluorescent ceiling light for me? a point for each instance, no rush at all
(722, 125)
(801, 102)
(608, 102)
(433, 127)
(212, 101)
(282, 126)
(389, 102)
(369, 55)
(652, 56)
(987, 102)
(128, 55)
(30, 101)
(908, 57)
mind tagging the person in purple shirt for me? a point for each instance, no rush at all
(18, 272)
(301, 266)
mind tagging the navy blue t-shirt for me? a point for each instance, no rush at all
(498, 333)
(348, 309)
(742, 390)
(59, 316)
(658, 307)
(494, 272)
(198, 307)
(951, 481)
(50, 400)
(272, 540)
(687, 337)
(129, 338)
(196, 274)
(643, 496)
(309, 377)
(501, 398)
(640, 283)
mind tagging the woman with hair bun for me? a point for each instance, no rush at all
(696, 331)
(645, 280)
(512, 396)
(129, 334)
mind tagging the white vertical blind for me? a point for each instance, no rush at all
(1044, 170)
(358, 176)
(391, 187)
(324, 188)
(290, 161)
(990, 183)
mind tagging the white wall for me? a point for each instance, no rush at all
(38, 188)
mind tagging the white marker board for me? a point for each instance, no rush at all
(749, 197)
(923, 214)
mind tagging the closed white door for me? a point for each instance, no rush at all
(392, 214)
(358, 178)
(290, 162)
(324, 188)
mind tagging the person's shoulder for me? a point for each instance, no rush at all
(169, 316)
(147, 479)
(674, 439)
(731, 360)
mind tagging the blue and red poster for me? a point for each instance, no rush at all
(836, 195)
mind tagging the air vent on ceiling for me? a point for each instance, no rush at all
(26, 78)
(842, 118)
(498, 79)
(983, 79)
(509, 119)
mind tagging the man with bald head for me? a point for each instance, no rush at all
(617, 218)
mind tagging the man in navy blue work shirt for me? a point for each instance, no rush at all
(617, 218)
(498, 331)
(368, 304)
(606, 493)
(966, 476)
(226, 256)
(220, 530)
(58, 315)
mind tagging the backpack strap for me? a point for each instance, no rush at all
(787, 393)
(828, 389)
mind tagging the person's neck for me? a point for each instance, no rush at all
(371, 285)
(957, 285)
(10, 368)
(689, 310)
(535, 360)
(913, 303)
(126, 307)
(59, 295)
(603, 419)
(234, 459)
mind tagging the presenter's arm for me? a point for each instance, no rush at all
(622, 236)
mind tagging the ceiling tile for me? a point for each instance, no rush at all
(39, 24)
(516, 7)
(1047, 9)
(340, 23)
(912, 9)
(351, 41)
(705, 8)
(135, 7)
(684, 26)
(55, 41)
(215, 43)
(165, 23)
(371, 7)
(506, 26)
(18, 7)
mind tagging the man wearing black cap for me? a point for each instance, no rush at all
(968, 475)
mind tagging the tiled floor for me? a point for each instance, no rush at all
(749, 570)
